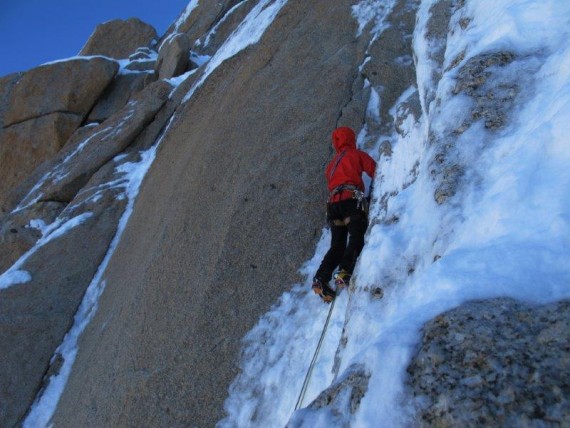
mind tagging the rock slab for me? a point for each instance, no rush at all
(494, 363)
(68, 87)
(119, 38)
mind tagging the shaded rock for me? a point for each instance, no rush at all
(35, 316)
(143, 53)
(144, 59)
(67, 176)
(202, 18)
(486, 79)
(119, 39)
(26, 145)
(18, 192)
(117, 94)
(18, 234)
(494, 362)
(70, 87)
(392, 67)
(7, 83)
(340, 400)
(144, 65)
(173, 56)
(226, 21)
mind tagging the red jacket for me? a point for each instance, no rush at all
(348, 164)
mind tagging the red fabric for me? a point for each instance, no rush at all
(350, 168)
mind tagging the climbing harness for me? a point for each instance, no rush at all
(356, 194)
(312, 366)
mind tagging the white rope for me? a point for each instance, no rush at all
(311, 367)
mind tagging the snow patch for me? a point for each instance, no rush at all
(14, 275)
(366, 11)
(182, 19)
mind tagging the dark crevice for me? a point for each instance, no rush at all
(40, 116)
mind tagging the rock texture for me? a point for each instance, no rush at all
(81, 182)
(7, 84)
(41, 109)
(498, 362)
(345, 393)
(230, 209)
(117, 94)
(76, 166)
(119, 39)
(23, 147)
(70, 87)
(215, 227)
(173, 57)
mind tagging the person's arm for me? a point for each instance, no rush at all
(368, 164)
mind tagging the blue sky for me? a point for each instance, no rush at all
(33, 32)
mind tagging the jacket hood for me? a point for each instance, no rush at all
(343, 138)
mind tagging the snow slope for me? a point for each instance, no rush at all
(505, 232)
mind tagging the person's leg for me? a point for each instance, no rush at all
(356, 228)
(335, 253)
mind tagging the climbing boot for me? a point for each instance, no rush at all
(342, 278)
(323, 290)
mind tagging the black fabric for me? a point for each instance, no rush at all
(342, 209)
(340, 254)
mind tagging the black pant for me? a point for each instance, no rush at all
(342, 255)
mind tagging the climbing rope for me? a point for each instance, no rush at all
(312, 366)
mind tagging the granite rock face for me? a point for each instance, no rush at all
(119, 38)
(7, 84)
(26, 145)
(495, 362)
(173, 57)
(41, 110)
(75, 167)
(79, 184)
(117, 95)
(235, 156)
(71, 86)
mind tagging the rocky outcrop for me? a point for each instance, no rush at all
(81, 189)
(344, 394)
(230, 207)
(117, 94)
(173, 56)
(41, 110)
(7, 84)
(497, 362)
(119, 39)
(16, 233)
(204, 17)
(74, 168)
(23, 147)
(36, 315)
(71, 86)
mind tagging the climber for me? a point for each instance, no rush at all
(346, 211)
